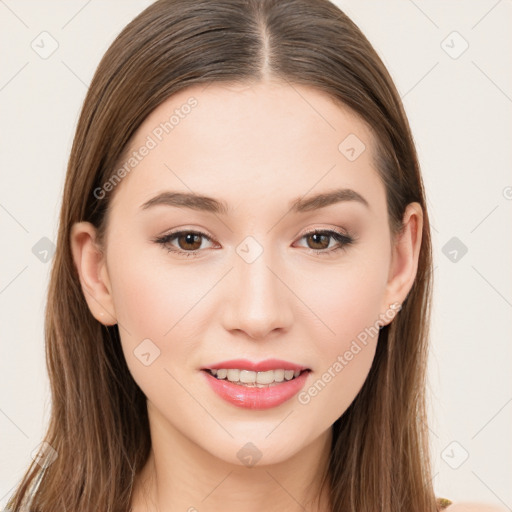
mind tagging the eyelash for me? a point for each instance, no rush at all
(341, 238)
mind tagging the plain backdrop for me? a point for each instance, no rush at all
(451, 63)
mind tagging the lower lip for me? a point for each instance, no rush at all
(254, 397)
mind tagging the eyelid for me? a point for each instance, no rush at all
(202, 232)
(340, 231)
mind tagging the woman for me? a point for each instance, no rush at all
(240, 298)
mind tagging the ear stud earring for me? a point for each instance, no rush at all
(394, 308)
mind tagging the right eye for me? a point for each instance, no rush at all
(189, 242)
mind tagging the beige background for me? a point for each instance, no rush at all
(459, 104)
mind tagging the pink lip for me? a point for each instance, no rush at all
(253, 397)
(262, 366)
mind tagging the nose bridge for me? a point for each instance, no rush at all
(258, 301)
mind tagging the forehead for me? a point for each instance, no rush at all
(251, 144)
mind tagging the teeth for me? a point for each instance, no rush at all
(278, 375)
(255, 378)
(233, 375)
(221, 374)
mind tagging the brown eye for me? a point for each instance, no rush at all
(189, 241)
(319, 241)
(186, 243)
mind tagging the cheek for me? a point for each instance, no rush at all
(332, 388)
(156, 307)
(153, 293)
(156, 303)
(346, 303)
(344, 300)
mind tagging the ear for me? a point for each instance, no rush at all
(91, 265)
(405, 253)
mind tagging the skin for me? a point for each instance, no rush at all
(257, 148)
(475, 507)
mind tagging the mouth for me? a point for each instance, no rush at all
(254, 379)
(252, 389)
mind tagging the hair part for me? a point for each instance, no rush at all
(99, 424)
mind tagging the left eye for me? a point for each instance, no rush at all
(319, 238)
(189, 242)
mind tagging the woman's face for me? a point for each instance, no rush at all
(255, 282)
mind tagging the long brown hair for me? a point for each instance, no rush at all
(99, 424)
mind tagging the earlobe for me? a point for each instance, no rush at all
(405, 255)
(92, 270)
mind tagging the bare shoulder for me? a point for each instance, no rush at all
(464, 506)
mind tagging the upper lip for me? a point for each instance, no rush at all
(261, 366)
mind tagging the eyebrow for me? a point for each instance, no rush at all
(209, 204)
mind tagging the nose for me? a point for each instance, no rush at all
(258, 301)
